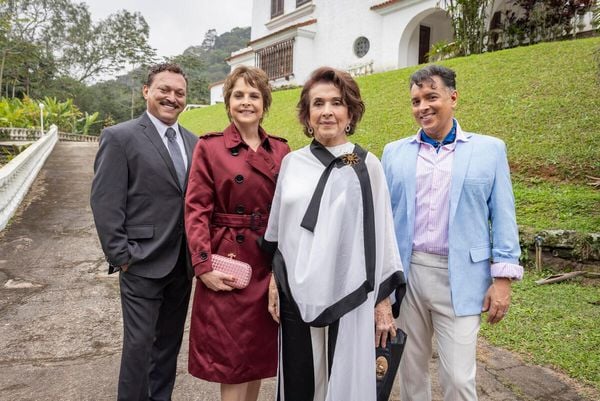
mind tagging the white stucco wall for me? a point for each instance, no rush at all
(340, 26)
(216, 94)
(261, 14)
(393, 33)
(304, 53)
(340, 22)
(242, 57)
(330, 41)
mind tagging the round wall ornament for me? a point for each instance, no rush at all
(361, 46)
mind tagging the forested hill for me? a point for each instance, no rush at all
(216, 48)
(204, 64)
(56, 52)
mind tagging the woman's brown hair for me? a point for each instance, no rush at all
(348, 89)
(254, 77)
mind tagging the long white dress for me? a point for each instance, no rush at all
(336, 258)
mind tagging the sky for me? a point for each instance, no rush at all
(176, 25)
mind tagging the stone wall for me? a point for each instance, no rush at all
(563, 249)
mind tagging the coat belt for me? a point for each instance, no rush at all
(252, 221)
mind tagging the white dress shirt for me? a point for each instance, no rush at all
(162, 130)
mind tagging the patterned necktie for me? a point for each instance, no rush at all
(176, 156)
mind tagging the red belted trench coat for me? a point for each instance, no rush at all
(233, 339)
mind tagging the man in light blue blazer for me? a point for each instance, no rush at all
(455, 223)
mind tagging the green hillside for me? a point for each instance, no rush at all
(542, 100)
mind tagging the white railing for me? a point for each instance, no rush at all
(361, 69)
(17, 176)
(19, 134)
(31, 134)
(66, 137)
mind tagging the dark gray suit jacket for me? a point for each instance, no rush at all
(136, 199)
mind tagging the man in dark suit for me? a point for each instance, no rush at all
(137, 199)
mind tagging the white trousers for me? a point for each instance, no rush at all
(425, 310)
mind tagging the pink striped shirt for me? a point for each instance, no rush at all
(432, 203)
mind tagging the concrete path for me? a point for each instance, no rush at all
(60, 318)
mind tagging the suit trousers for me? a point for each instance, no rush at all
(427, 310)
(154, 312)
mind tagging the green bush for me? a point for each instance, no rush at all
(25, 113)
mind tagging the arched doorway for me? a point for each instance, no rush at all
(424, 29)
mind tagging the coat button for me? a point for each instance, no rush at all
(240, 209)
(239, 178)
(234, 151)
(240, 238)
(203, 256)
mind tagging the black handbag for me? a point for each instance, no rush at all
(387, 360)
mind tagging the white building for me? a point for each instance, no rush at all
(290, 38)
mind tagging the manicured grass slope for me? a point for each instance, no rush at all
(541, 100)
(554, 325)
(544, 101)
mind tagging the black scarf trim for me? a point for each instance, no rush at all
(358, 296)
(394, 283)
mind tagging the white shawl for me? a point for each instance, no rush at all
(325, 270)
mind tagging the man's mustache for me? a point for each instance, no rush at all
(169, 103)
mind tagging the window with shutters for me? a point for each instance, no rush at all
(277, 60)
(276, 8)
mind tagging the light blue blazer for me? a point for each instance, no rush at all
(482, 222)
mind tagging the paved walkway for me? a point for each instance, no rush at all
(60, 328)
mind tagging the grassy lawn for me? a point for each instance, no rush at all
(556, 325)
(547, 205)
(542, 100)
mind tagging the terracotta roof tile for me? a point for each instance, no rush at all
(238, 55)
(384, 4)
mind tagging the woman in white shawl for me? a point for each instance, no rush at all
(336, 263)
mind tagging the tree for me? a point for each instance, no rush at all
(544, 20)
(109, 46)
(61, 36)
(112, 99)
(214, 58)
(30, 70)
(468, 18)
(596, 17)
(210, 37)
(195, 70)
(4, 30)
(25, 24)
(61, 88)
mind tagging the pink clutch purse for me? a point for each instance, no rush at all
(242, 271)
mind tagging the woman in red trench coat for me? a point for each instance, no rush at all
(233, 340)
